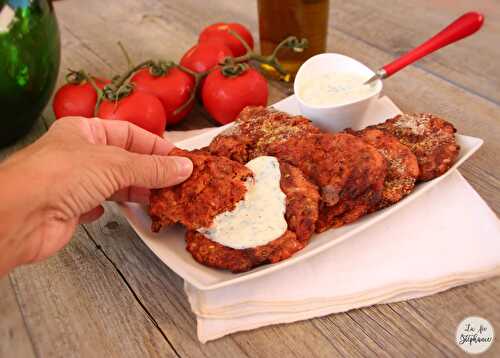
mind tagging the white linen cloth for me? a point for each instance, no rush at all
(446, 238)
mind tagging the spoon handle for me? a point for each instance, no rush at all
(462, 27)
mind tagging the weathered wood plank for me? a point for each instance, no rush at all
(68, 296)
(161, 292)
(76, 305)
(421, 327)
(14, 337)
(398, 26)
(436, 318)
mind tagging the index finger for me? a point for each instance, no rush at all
(129, 137)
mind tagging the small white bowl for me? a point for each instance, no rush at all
(334, 117)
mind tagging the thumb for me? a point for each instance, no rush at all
(158, 171)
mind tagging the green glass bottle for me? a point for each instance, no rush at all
(29, 64)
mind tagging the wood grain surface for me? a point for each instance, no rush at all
(107, 295)
(14, 336)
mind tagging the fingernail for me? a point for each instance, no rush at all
(184, 166)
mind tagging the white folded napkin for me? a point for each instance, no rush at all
(447, 237)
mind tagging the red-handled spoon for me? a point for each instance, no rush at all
(462, 27)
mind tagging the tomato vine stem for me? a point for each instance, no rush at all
(290, 42)
(75, 77)
(198, 76)
(125, 54)
(120, 86)
(78, 77)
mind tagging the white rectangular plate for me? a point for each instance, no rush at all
(169, 244)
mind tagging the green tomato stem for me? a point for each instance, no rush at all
(230, 66)
(198, 76)
(75, 77)
(99, 92)
(125, 54)
(290, 42)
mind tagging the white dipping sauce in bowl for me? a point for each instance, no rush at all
(329, 90)
(336, 88)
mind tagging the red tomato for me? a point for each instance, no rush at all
(205, 55)
(173, 89)
(225, 97)
(219, 31)
(139, 108)
(76, 100)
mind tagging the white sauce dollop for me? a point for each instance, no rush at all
(336, 89)
(260, 217)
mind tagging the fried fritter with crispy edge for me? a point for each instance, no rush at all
(402, 165)
(213, 254)
(349, 173)
(255, 129)
(215, 186)
(301, 215)
(302, 201)
(430, 138)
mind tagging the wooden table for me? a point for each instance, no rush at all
(107, 295)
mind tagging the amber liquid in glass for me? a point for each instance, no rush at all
(279, 19)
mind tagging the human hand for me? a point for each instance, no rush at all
(62, 179)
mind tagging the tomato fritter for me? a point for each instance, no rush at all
(255, 129)
(402, 165)
(329, 179)
(215, 186)
(349, 173)
(302, 200)
(301, 215)
(213, 254)
(430, 138)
